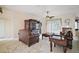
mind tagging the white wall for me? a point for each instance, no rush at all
(14, 21)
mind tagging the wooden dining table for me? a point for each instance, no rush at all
(46, 35)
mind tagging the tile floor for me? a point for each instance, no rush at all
(15, 46)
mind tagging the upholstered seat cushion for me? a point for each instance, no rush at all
(57, 37)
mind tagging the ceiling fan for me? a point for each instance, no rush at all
(47, 16)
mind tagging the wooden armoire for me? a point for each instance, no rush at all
(30, 34)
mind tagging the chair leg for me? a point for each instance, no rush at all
(54, 45)
(70, 47)
(65, 49)
(50, 46)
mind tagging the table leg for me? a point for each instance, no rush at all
(50, 46)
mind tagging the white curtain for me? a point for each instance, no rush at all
(54, 26)
(2, 28)
(49, 26)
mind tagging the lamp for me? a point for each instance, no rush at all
(1, 10)
(48, 15)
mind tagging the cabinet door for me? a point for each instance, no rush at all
(32, 25)
(23, 35)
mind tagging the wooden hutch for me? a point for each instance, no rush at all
(30, 34)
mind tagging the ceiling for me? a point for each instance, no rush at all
(41, 9)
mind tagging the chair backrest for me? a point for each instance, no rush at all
(69, 35)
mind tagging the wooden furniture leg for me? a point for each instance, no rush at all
(50, 46)
(65, 49)
(54, 45)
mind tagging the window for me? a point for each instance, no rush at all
(54, 26)
(2, 28)
(77, 24)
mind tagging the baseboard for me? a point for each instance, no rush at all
(1, 39)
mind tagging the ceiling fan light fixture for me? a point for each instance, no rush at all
(49, 16)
